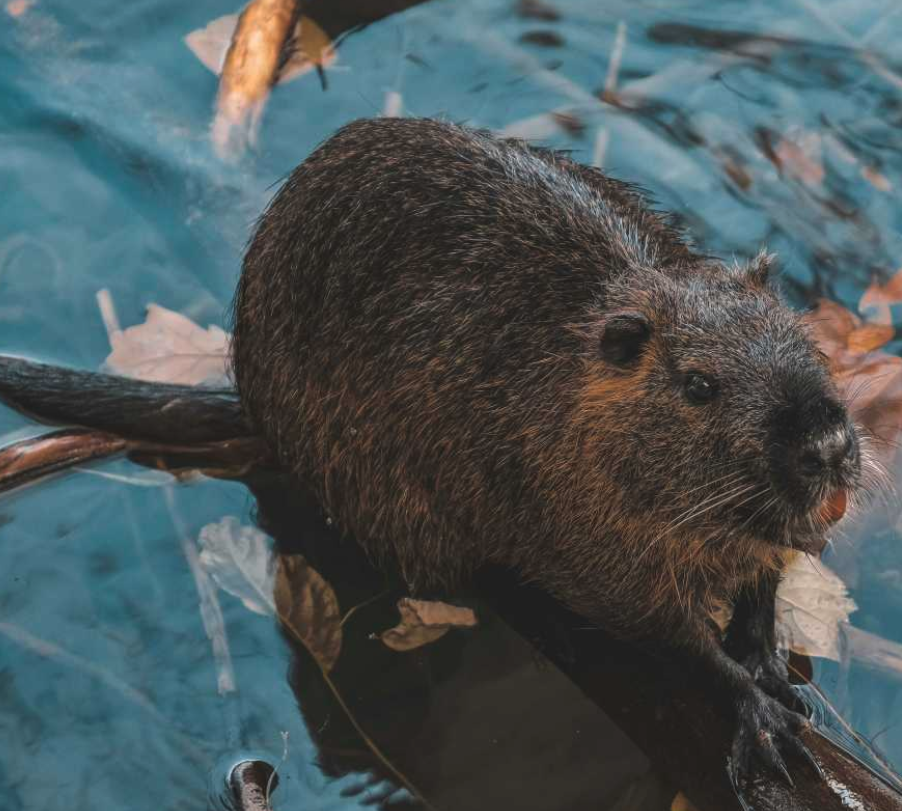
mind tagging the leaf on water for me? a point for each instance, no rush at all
(543, 126)
(682, 803)
(307, 607)
(830, 325)
(211, 43)
(871, 379)
(170, 348)
(812, 603)
(240, 561)
(869, 337)
(876, 179)
(424, 621)
(800, 158)
(308, 47)
(878, 298)
(16, 8)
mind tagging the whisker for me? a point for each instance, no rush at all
(716, 499)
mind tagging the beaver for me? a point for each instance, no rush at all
(475, 351)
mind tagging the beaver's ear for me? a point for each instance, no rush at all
(623, 337)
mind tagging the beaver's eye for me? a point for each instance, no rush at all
(699, 388)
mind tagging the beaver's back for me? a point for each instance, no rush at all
(406, 329)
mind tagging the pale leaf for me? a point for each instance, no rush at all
(800, 158)
(812, 602)
(211, 43)
(308, 608)
(240, 561)
(424, 621)
(877, 179)
(16, 8)
(170, 348)
(310, 47)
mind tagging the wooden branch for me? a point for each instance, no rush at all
(673, 721)
(29, 460)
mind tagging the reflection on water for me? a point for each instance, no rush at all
(774, 123)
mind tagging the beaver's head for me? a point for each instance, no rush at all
(731, 433)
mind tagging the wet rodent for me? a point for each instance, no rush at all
(478, 351)
(475, 351)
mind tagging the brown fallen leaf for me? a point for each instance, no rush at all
(878, 298)
(424, 621)
(267, 44)
(800, 158)
(682, 803)
(878, 180)
(170, 348)
(16, 8)
(871, 379)
(308, 608)
(869, 337)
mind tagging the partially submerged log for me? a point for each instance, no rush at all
(669, 716)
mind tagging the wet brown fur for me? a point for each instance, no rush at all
(416, 333)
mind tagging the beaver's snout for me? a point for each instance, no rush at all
(817, 466)
(825, 458)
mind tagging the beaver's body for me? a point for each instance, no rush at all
(418, 332)
(476, 351)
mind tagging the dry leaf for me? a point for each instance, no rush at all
(878, 298)
(812, 603)
(869, 337)
(543, 126)
(801, 158)
(424, 621)
(871, 379)
(876, 179)
(16, 8)
(170, 348)
(310, 48)
(831, 324)
(211, 43)
(308, 608)
(682, 803)
(240, 560)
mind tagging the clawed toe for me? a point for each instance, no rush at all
(767, 733)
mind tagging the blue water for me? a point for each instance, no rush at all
(108, 685)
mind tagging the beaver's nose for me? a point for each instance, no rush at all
(821, 455)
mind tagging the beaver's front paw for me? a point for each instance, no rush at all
(766, 733)
(770, 673)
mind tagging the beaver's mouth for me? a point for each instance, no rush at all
(833, 507)
(811, 534)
